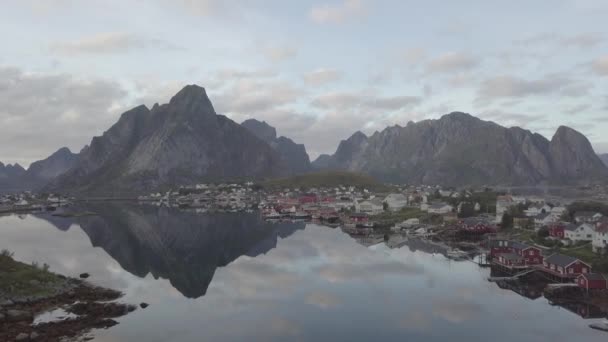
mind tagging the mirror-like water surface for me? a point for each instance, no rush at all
(227, 277)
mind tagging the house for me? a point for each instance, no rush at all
(440, 208)
(543, 219)
(410, 222)
(583, 232)
(537, 209)
(523, 223)
(587, 217)
(592, 281)
(503, 203)
(557, 230)
(372, 206)
(396, 201)
(359, 218)
(513, 253)
(476, 225)
(558, 211)
(565, 266)
(600, 237)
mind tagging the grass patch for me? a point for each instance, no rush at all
(19, 279)
(389, 218)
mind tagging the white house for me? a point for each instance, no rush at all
(371, 207)
(537, 209)
(440, 208)
(396, 201)
(599, 243)
(583, 232)
(587, 216)
(545, 219)
(503, 203)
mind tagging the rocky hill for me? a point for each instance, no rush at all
(460, 149)
(293, 155)
(181, 142)
(604, 158)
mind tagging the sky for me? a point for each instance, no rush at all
(316, 70)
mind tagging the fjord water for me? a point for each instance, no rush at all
(230, 277)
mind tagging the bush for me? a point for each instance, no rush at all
(6, 253)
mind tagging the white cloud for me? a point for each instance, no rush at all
(279, 53)
(452, 62)
(112, 42)
(516, 87)
(600, 65)
(322, 76)
(338, 13)
(40, 113)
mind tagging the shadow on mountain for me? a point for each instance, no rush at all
(184, 247)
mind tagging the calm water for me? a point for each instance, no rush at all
(231, 277)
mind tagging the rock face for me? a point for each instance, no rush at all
(604, 158)
(293, 155)
(459, 149)
(12, 177)
(53, 166)
(181, 142)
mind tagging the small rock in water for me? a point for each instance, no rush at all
(144, 305)
(34, 335)
(84, 275)
(22, 337)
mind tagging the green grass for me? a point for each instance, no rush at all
(19, 279)
(326, 179)
(389, 218)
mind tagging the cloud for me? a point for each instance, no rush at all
(108, 43)
(584, 40)
(414, 55)
(577, 109)
(338, 13)
(506, 118)
(40, 113)
(452, 62)
(349, 101)
(279, 53)
(600, 65)
(322, 76)
(516, 87)
(252, 96)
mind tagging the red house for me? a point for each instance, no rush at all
(515, 254)
(359, 218)
(565, 266)
(592, 281)
(558, 230)
(311, 198)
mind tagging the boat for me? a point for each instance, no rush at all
(603, 325)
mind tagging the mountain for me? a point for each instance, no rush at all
(11, 177)
(53, 166)
(14, 178)
(181, 142)
(460, 149)
(604, 158)
(293, 155)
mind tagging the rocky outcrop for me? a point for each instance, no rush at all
(293, 155)
(55, 165)
(604, 158)
(182, 142)
(460, 149)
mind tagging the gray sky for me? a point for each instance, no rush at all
(317, 70)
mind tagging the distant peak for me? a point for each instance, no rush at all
(565, 132)
(459, 115)
(192, 97)
(358, 135)
(261, 129)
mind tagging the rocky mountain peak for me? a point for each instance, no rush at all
(192, 99)
(261, 129)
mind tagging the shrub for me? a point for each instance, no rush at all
(6, 253)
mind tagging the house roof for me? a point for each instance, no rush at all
(541, 216)
(593, 276)
(438, 205)
(510, 256)
(585, 214)
(519, 245)
(561, 260)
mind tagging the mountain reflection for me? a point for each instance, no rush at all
(184, 247)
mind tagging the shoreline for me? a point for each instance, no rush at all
(38, 305)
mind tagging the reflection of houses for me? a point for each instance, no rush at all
(529, 290)
(586, 311)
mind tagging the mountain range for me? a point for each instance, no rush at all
(185, 141)
(604, 158)
(460, 149)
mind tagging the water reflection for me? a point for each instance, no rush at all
(184, 247)
(228, 277)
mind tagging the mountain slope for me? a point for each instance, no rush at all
(294, 155)
(12, 177)
(459, 149)
(604, 158)
(181, 142)
(53, 166)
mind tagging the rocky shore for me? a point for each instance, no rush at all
(37, 305)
